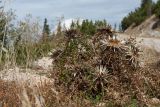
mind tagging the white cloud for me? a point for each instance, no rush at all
(66, 24)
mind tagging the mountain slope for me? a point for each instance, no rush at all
(148, 28)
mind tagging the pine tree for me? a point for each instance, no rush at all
(2, 27)
(59, 29)
(157, 8)
(147, 6)
(46, 29)
(2, 23)
(78, 24)
(105, 23)
(115, 26)
(73, 25)
(140, 14)
(3, 38)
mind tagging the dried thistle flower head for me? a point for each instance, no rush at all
(102, 69)
(114, 43)
(72, 33)
(81, 49)
(104, 31)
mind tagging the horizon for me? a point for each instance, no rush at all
(112, 11)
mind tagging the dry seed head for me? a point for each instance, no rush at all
(104, 31)
(71, 34)
(114, 43)
(102, 69)
(81, 49)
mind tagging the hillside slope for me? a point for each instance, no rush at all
(149, 28)
(149, 46)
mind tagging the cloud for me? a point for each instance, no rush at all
(66, 24)
(111, 10)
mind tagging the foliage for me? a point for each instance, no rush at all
(96, 70)
(90, 67)
(6, 27)
(2, 23)
(93, 66)
(139, 15)
(25, 45)
(59, 29)
(46, 30)
(2, 27)
(157, 8)
(25, 54)
(88, 27)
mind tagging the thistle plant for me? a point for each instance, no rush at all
(87, 68)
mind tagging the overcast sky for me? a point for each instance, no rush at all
(111, 10)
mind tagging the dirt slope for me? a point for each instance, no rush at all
(147, 35)
(149, 28)
(150, 47)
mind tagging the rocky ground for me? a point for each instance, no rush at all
(37, 74)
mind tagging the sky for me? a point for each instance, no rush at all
(111, 10)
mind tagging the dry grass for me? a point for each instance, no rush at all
(142, 90)
(15, 95)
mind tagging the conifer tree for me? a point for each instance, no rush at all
(147, 6)
(46, 29)
(73, 25)
(157, 8)
(59, 29)
(2, 22)
(140, 14)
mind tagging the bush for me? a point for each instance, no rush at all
(27, 53)
(93, 66)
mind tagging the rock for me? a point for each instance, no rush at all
(45, 63)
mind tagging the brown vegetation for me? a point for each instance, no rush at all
(104, 69)
(92, 71)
